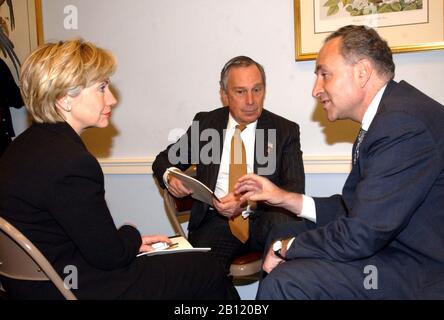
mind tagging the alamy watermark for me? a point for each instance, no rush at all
(71, 281)
(71, 21)
(204, 147)
(371, 280)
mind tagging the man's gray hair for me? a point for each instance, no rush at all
(239, 61)
(363, 42)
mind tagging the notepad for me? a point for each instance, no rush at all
(200, 191)
(182, 246)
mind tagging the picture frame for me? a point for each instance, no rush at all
(417, 29)
(39, 21)
(22, 31)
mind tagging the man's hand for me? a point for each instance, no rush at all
(177, 188)
(147, 241)
(252, 187)
(257, 188)
(271, 261)
(230, 205)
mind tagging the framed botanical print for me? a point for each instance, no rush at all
(407, 25)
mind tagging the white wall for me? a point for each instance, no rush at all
(170, 53)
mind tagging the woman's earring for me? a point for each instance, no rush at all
(68, 105)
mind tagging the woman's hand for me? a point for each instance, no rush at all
(147, 241)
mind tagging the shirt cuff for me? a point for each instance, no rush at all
(308, 208)
(290, 243)
(165, 176)
(247, 212)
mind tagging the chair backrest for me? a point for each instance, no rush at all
(21, 260)
(175, 208)
(244, 269)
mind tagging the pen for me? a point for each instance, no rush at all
(171, 246)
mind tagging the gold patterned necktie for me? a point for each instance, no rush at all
(238, 168)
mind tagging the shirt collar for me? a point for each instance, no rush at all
(372, 109)
(233, 123)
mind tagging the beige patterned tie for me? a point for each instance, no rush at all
(238, 168)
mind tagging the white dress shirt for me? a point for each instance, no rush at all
(248, 137)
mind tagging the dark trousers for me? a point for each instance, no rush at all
(325, 279)
(180, 276)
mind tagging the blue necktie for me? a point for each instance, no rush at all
(359, 139)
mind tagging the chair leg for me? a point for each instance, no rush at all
(246, 280)
(3, 295)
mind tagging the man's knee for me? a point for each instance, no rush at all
(275, 286)
(313, 279)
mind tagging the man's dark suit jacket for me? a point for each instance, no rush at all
(391, 212)
(289, 173)
(51, 189)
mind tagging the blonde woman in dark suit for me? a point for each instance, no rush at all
(52, 190)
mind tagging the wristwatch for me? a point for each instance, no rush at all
(280, 247)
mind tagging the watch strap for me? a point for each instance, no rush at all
(284, 248)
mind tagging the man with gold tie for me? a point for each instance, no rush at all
(245, 138)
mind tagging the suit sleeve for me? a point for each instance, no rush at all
(292, 173)
(178, 154)
(80, 208)
(399, 166)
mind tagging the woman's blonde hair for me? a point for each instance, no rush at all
(58, 69)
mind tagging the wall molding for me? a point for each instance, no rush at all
(327, 163)
(127, 165)
(312, 164)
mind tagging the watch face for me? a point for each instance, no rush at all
(277, 246)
